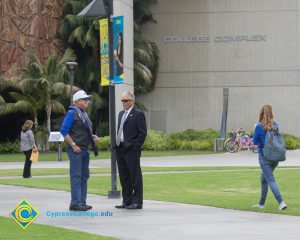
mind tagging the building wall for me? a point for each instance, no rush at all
(28, 24)
(250, 47)
(125, 8)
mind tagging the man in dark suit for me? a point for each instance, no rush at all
(132, 131)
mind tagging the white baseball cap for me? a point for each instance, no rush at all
(80, 95)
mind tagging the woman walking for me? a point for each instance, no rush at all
(266, 122)
(27, 146)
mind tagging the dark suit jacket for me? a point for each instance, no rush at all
(134, 129)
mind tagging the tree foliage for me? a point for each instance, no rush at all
(45, 83)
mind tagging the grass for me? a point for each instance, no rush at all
(65, 171)
(46, 171)
(11, 230)
(226, 189)
(53, 156)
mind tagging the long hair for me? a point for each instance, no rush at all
(27, 125)
(121, 47)
(266, 117)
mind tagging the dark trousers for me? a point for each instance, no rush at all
(79, 175)
(27, 165)
(130, 174)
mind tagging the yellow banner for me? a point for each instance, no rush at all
(104, 52)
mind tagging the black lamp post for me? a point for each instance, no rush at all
(71, 66)
(96, 9)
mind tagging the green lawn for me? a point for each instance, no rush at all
(10, 230)
(64, 171)
(238, 189)
(20, 157)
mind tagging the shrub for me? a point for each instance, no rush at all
(193, 140)
(155, 140)
(10, 147)
(191, 134)
(53, 146)
(291, 141)
(103, 144)
(187, 140)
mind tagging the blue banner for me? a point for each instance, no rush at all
(118, 46)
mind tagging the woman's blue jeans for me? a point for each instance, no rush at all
(267, 179)
(79, 175)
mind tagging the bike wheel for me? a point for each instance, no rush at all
(253, 148)
(231, 146)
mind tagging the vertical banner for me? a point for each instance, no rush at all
(118, 47)
(104, 52)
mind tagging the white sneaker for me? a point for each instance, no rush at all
(259, 206)
(282, 206)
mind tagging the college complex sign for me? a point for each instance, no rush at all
(225, 38)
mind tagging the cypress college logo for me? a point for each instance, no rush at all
(24, 214)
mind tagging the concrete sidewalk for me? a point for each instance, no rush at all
(244, 158)
(158, 220)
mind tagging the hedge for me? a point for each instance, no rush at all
(187, 140)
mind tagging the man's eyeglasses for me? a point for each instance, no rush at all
(125, 100)
(87, 100)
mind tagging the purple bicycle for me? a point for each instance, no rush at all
(240, 140)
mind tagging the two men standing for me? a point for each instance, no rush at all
(132, 131)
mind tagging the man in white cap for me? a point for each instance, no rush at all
(77, 131)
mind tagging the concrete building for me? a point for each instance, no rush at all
(250, 47)
(125, 8)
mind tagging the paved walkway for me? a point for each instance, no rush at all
(159, 220)
(245, 158)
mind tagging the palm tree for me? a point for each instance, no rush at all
(146, 56)
(142, 14)
(27, 104)
(146, 53)
(46, 82)
(82, 34)
(7, 105)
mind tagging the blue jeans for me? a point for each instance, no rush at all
(267, 179)
(79, 175)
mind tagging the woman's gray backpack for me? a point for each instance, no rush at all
(274, 148)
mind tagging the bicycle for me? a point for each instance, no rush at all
(240, 140)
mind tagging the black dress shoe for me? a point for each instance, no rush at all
(78, 208)
(88, 207)
(123, 205)
(135, 206)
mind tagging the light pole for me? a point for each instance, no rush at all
(96, 9)
(113, 193)
(71, 66)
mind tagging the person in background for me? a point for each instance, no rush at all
(132, 132)
(27, 146)
(265, 123)
(118, 53)
(77, 132)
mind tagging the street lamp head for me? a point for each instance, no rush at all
(95, 8)
(71, 66)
